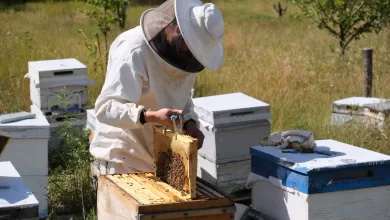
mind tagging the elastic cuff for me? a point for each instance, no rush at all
(142, 117)
(140, 109)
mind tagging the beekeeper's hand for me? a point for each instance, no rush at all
(192, 130)
(162, 117)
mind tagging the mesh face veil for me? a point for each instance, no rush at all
(175, 52)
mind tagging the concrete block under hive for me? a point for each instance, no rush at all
(144, 196)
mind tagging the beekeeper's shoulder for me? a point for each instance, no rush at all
(129, 44)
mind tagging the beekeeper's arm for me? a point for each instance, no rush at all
(115, 105)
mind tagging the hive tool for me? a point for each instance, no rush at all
(178, 128)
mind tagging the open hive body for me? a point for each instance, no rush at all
(175, 157)
(144, 196)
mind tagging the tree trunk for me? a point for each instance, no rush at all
(100, 53)
(367, 56)
(123, 15)
(343, 48)
(342, 41)
(105, 34)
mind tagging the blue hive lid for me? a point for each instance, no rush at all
(348, 167)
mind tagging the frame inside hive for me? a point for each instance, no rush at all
(175, 157)
(148, 189)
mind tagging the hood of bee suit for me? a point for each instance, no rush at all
(201, 27)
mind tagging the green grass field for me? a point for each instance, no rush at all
(285, 62)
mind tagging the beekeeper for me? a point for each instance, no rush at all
(151, 71)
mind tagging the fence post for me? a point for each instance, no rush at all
(367, 56)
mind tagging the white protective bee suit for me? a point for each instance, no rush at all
(138, 78)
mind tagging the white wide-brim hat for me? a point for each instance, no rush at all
(201, 25)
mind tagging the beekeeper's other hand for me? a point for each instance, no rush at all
(192, 130)
(162, 116)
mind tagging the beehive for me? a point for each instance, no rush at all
(143, 196)
(76, 121)
(350, 183)
(351, 109)
(231, 123)
(49, 77)
(16, 199)
(58, 88)
(27, 150)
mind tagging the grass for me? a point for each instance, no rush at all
(285, 62)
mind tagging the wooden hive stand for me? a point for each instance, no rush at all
(143, 196)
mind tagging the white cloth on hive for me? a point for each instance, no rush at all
(300, 140)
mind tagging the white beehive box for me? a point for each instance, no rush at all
(16, 199)
(228, 177)
(45, 99)
(27, 150)
(55, 122)
(353, 183)
(55, 141)
(49, 77)
(231, 123)
(352, 108)
(377, 114)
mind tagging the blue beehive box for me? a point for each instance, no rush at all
(351, 182)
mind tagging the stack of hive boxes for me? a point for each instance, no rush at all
(231, 123)
(27, 150)
(58, 90)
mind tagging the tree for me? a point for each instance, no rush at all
(281, 11)
(106, 13)
(121, 6)
(347, 20)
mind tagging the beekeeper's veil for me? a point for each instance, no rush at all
(201, 30)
